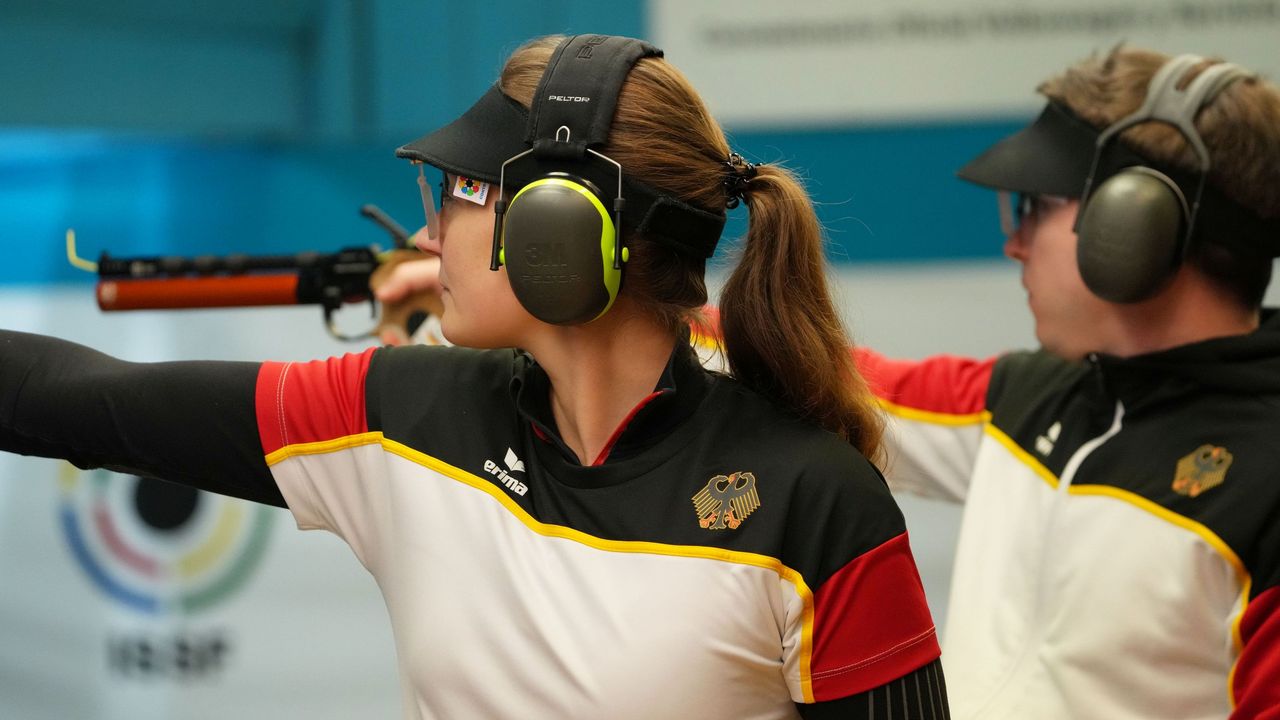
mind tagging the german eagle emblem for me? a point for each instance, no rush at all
(726, 501)
(1203, 469)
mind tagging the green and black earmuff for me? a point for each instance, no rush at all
(560, 236)
(1135, 228)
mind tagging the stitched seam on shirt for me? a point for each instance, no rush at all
(284, 431)
(900, 647)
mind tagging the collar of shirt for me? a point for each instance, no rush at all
(677, 394)
(1248, 364)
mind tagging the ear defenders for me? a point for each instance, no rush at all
(559, 245)
(559, 237)
(1135, 228)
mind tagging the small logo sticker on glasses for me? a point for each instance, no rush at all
(471, 190)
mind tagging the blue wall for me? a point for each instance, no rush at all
(890, 193)
(253, 128)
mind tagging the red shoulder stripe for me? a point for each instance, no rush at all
(871, 624)
(311, 402)
(1256, 682)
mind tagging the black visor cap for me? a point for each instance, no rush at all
(1054, 154)
(478, 142)
(1051, 156)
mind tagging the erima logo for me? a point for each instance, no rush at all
(568, 98)
(514, 464)
(1045, 443)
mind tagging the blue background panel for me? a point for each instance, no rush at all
(883, 194)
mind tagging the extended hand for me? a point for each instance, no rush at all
(406, 284)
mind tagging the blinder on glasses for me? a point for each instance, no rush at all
(429, 203)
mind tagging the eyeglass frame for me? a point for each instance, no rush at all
(1017, 207)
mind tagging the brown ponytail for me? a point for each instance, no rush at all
(782, 335)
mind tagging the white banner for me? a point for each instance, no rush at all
(824, 62)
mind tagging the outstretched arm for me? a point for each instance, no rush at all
(936, 410)
(187, 422)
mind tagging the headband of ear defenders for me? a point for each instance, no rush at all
(495, 128)
(1053, 154)
(577, 96)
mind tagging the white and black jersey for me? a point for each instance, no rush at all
(720, 559)
(1119, 555)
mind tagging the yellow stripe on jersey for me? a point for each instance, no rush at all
(1238, 640)
(704, 341)
(324, 446)
(1022, 455)
(1168, 515)
(935, 418)
(1211, 538)
(567, 533)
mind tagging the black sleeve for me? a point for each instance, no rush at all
(187, 422)
(919, 695)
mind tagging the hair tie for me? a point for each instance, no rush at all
(738, 173)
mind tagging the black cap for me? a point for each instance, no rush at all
(1051, 156)
(477, 143)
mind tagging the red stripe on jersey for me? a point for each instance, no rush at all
(613, 439)
(870, 623)
(310, 402)
(1256, 684)
(538, 431)
(942, 384)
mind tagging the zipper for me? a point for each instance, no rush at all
(1078, 457)
(1060, 495)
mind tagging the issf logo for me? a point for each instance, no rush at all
(158, 547)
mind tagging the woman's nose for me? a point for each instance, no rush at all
(427, 244)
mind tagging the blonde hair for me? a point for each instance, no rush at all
(782, 334)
